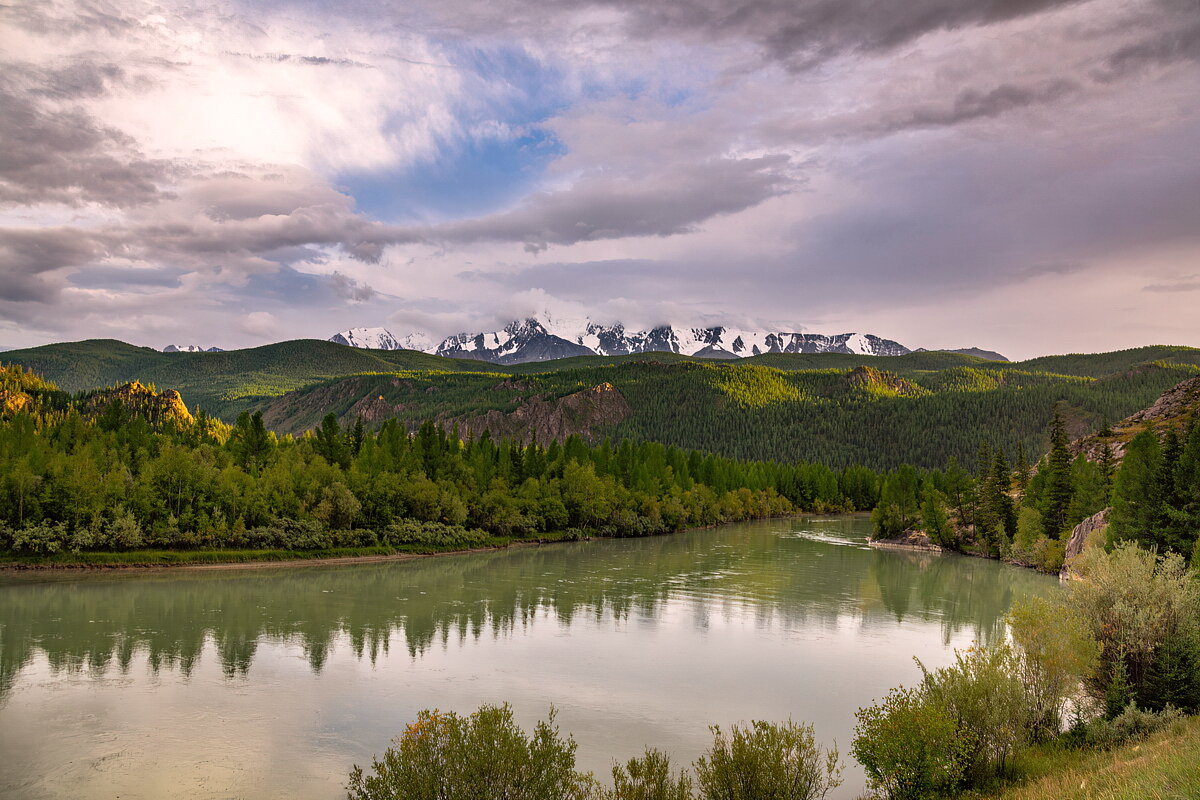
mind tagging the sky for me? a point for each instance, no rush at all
(1019, 175)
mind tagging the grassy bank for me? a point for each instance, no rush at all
(167, 558)
(1165, 766)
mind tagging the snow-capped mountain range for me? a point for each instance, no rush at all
(190, 348)
(542, 340)
(382, 339)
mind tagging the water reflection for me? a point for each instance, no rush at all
(637, 641)
(792, 581)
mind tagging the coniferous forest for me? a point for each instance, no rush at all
(130, 468)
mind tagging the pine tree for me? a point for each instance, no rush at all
(1059, 490)
(1137, 493)
(1022, 468)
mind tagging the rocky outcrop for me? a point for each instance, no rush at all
(909, 540)
(1091, 529)
(157, 408)
(1173, 409)
(544, 419)
(878, 380)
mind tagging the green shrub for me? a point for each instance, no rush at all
(767, 761)
(983, 693)
(909, 747)
(1144, 610)
(444, 756)
(1055, 653)
(1131, 724)
(649, 778)
(40, 540)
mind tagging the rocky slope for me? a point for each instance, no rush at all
(1174, 409)
(157, 408)
(545, 419)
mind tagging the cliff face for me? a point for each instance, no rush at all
(1091, 528)
(1173, 409)
(543, 420)
(156, 407)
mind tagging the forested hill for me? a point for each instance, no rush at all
(838, 417)
(837, 409)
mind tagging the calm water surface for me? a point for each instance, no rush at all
(273, 683)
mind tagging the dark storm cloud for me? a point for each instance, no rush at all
(66, 156)
(663, 203)
(798, 34)
(974, 104)
(803, 34)
(1177, 43)
(350, 289)
(27, 256)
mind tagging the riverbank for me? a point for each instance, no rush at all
(250, 559)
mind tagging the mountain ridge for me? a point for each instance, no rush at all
(534, 339)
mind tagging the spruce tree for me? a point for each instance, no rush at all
(1137, 493)
(1059, 490)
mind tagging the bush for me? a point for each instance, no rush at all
(649, 778)
(40, 540)
(1055, 653)
(985, 696)
(1130, 725)
(909, 747)
(767, 761)
(435, 534)
(443, 756)
(1144, 610)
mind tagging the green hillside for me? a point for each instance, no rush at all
(749, 411)
(921, 408)
(222, 383)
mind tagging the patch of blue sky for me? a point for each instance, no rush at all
(499, 155)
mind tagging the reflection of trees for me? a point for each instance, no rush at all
(95, 624)
(958, 591)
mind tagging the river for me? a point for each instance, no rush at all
(272, 683)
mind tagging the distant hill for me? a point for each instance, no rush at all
(223, 383)
(987, 355)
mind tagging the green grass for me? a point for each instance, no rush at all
(1166, 766)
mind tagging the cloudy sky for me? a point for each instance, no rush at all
(1022, 175)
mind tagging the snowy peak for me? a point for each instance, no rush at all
(380, 339)
(190, 348)
(534, 339)
(520, 341)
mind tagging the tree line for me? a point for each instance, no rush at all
(1024, 511)
(115, 481)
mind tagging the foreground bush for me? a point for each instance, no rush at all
(983, 693)
(766, 761)
(649, 778)
(909, 747)
(482, 755)
(486, 756)
(1144, 610)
